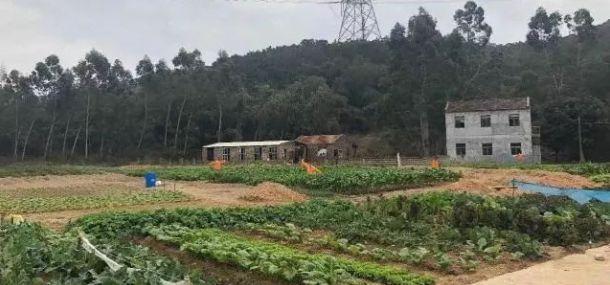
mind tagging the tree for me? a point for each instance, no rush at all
(471, 24)
(423, 40)
(544, 30)
(93, 75)
(543, 36)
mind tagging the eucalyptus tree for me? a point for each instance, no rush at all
(51, 83)
(146, 71)
(423, 40)
(581, 25)
(544, 34)
(92, 75)
(188, 69)
(470, 57)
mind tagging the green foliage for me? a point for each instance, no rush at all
(588, 169)
(439, 230)
(9, 205)
(283, 262)
(602, 178)
(24, 170)
(343, 179)
(30, 254)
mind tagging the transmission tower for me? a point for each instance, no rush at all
(358, 21)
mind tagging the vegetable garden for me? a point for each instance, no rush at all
(342, 179)
(388, 241)
(415, 240)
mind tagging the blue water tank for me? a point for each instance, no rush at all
(150, 179)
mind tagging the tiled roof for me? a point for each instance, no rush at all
(319, 139)
(492, 104)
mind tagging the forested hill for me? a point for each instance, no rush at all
(390, 92)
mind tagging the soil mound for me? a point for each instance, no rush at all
(273, 192)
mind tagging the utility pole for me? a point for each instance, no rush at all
(358, 21)
(580, 150)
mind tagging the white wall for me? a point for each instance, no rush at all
(500, 135)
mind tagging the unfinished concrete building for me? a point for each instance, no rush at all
(492, 130)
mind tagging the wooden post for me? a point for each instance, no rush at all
(398, 162)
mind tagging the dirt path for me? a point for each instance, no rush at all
(569, 270)
(494, 182)
(202, 194)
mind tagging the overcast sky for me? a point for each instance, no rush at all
(128, 29)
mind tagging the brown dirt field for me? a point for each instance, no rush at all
(273, 192)
(569, 270)
(495, 182)
(202, 194)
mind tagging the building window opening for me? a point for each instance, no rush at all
(460, 122)
(258, 153)
(242, 153)
(487, 149)
(272, 153)
(513, 120)
(515, 148)
(485, 121)
(460, 149)
(226, 154)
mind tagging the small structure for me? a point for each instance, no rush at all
(281, 150)
(322, 148)
(497, 130)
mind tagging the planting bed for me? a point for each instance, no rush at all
(436, 237)
(342, 179)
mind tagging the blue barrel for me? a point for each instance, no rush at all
(150, 179)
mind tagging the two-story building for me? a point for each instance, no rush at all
(497, 130)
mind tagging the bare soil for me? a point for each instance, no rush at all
(273, 192)
(202, 194)
(495, 182)
(570, 270)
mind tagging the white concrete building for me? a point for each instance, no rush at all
(496, 130)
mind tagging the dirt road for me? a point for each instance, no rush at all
(575, 269)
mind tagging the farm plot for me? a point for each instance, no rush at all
(342, 180)
(444, 237)
(57, 193)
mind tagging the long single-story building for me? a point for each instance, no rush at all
(319, 148)
(281, 150)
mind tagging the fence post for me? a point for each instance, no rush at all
(398, 162)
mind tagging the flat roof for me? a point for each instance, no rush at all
(240, 144)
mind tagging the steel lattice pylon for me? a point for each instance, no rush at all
(358, 21)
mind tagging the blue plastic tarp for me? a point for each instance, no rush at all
(581, 196)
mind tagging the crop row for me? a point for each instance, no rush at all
(466, 258)
(283, 262)
(31, 254)
(437, 220)
(47, 204)
(348, 180)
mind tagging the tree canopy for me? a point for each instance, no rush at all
(394, 89)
